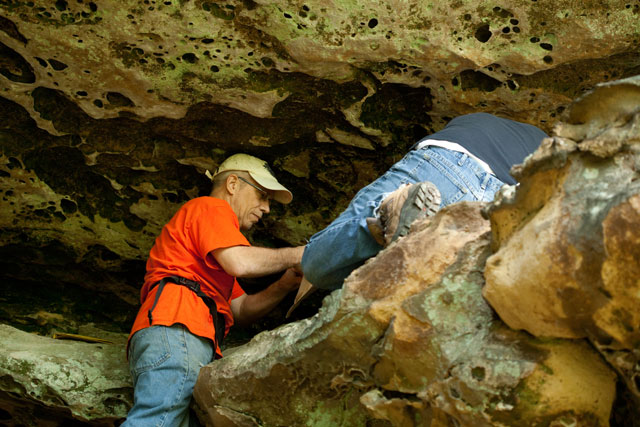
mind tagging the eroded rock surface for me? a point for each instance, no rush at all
(45, 381)
(567, 240)
(111, 111)
(410, 340)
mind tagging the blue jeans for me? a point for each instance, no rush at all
(164, 363)
(333, 253)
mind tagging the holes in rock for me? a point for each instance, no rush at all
(10, 28)
(547, 59)
(214, 69)
(14, 67)
(478, 373)
(4, 415)
(546, 46)
(107, 254)
(467, 17)
(534, 39)
(286, 15)
(454, 81)
(93, 7)
(14, 163)
(267, 62)
(190, 58)
(373, 22)
(506, 30)
(42, 62)
(476, 80)
(512, 85)
(41, 213)
(81, 93)
(68, 206)
(119, 100)
(57, 65)
(170, 197)
(207, 41)
(61, 5)
(483, 33)
(98, 103)
(454, 393)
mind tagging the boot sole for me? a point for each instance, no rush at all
(422, 201)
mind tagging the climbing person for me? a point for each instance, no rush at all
(469, 159)
(190, 297)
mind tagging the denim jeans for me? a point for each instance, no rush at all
(333, 253)
(164, 363)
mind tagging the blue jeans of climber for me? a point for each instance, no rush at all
(333, 253)
(498, 143)
(172, 367)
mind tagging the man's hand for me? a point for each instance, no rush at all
(249, 308)
(290, 280)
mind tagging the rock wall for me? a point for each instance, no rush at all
(112, 110)
(410, 340)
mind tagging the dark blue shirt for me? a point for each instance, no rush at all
(501, 143)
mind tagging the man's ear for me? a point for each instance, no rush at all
(232, 183)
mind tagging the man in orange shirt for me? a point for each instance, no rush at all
(190, 297)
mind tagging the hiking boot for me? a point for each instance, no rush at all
(400, 208)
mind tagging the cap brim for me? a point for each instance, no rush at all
(281, 195)
(305, 289)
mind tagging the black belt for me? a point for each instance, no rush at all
(218, 319)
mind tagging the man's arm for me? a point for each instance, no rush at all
(249, 308)
(254, 261)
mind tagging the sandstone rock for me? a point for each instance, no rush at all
(45, 381)
(409, 340)
(112, 111)
(567, 240)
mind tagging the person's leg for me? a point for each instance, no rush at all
(164, 363)
(346, 243)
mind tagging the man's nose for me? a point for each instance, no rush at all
(264, 207)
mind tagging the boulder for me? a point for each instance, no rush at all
(47, 382)
(567, 241)
(409, 340)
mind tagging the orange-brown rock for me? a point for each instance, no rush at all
(410, 340)
(568, 239)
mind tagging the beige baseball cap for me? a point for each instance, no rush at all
(259, 171)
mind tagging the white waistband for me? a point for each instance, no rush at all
(454, 147)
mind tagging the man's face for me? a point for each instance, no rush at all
(252, 202)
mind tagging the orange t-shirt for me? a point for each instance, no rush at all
(184, 249)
